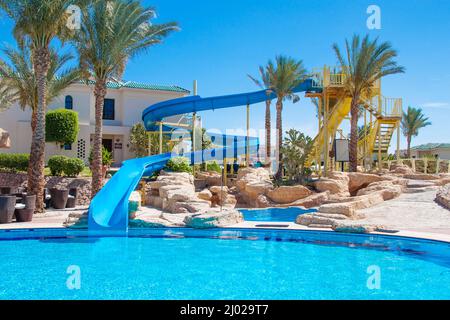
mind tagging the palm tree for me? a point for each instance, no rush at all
(412, 121)
(265, 83)
(38, 23)
(113, 32)
(286, 74)
(366, 62)
(7, 96)
(21, 79)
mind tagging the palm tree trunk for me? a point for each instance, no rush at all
(33, 120)
(408, 140)
(268, 132)
(36, 178)
(353, 152)
(279, 107)
(97, 165)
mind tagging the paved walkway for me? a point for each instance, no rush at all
(412, 212)
(50, 219)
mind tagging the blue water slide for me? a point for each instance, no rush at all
(155, 113)
(109, 208)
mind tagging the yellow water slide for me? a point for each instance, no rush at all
(339, 111)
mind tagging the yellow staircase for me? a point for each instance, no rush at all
(334, 106)
(376, 138)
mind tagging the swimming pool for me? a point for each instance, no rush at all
(221, 264)
(274, 214)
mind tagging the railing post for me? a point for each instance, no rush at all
(425, 165)
(413, 164)
(438, 163)
(318, 153)
(247, 151)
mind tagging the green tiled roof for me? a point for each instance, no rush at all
(431, 146)
(139, 85)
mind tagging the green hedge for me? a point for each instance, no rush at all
(71, 167)
(179, 164)
(14, 162)
(61, 126)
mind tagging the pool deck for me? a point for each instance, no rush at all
(413, 215)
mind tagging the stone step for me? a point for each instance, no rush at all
(331, 216)
(419, 184)
(420, 190)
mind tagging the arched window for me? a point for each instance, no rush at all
(69, 102)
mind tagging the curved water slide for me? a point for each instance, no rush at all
(109, 208)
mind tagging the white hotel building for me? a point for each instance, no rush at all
(123, 108)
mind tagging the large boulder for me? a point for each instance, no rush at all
(172, 179)
(213, 219)
(358, 180)
(312, 201)
(263, 202)
(387, 188)
(352, 227)
(191, 206)
(174, 192)
(253, 182)
(210, 178)
(401, 169)
(288, 194)
(443, 196)
(332, 186)
(350, 208)
(205, 195)
(5, 141)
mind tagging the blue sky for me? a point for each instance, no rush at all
(220, 42)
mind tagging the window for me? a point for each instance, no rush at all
(69, 102)
(108, 109)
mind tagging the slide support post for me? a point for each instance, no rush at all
(398, 144)
(247, 151)
(194, 117)
(160, 138)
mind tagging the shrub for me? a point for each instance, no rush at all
(56, 165)
(139, 140)
(107, 158)
(214, 166)
(14, 162)
(179, 164)
(61, 126)
(71, 167)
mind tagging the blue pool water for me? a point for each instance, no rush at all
(221, 264)
(274, 214)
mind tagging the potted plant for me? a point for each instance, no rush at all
(26, 214)
(59, 198)
(107, 160)
(7, 208)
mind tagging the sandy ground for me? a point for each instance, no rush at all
(413, 212)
